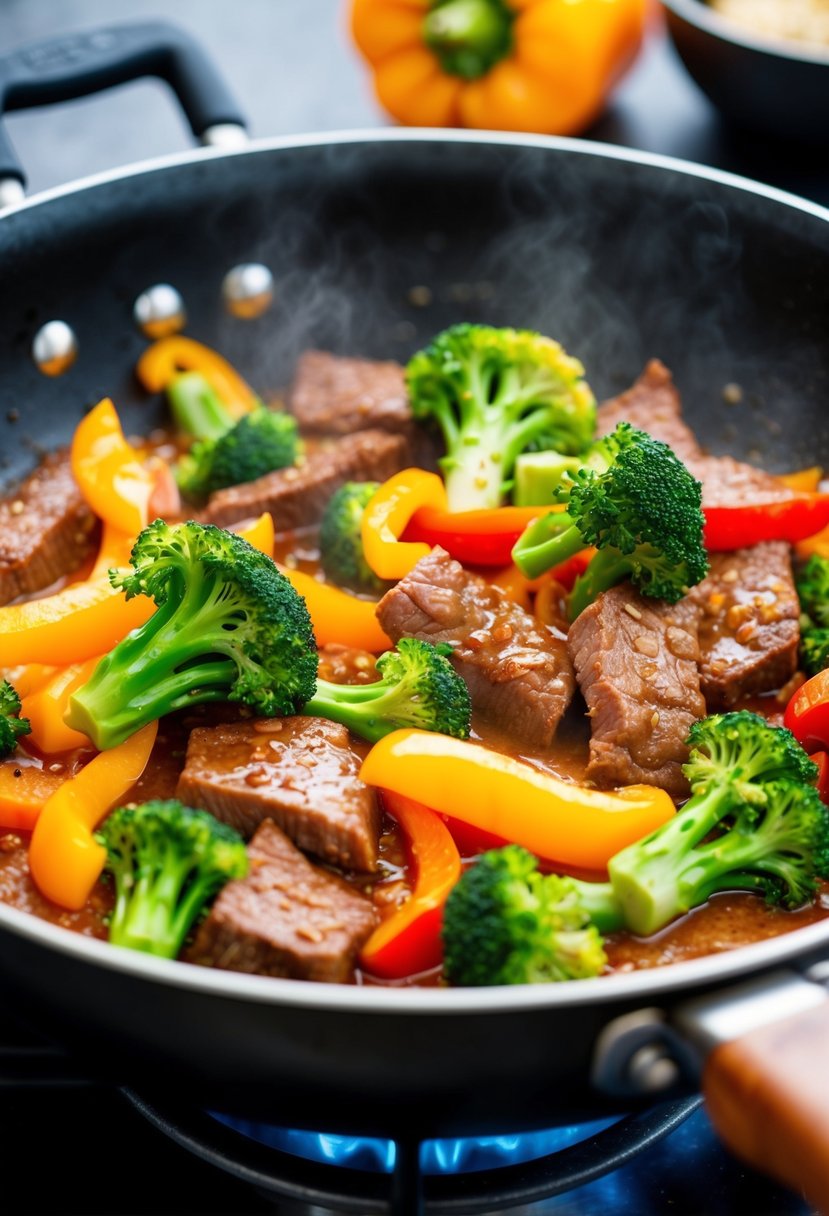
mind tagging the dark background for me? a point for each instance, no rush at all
(293, 70)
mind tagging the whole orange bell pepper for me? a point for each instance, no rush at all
(64, 858)
(337, 616)
(561, 822)
(165, 359)
(510, 65)
(408, 940)
(109, 472)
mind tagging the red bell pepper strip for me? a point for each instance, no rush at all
(790, 519)
(821, 759)
(807, 714)
(479, 538)
(408, 941)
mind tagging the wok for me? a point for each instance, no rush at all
(619, 255)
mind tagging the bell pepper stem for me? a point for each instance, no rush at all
(468, 36)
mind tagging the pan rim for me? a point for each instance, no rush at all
(635, 987)
(425, 135)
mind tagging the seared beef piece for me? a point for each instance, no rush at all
(749, 632)
(636, 664)
(336, 395)
(517, 670)
(652, 404)
(730, 482)
(299, 495)
(300, 772)
(286, 918)
(347, 665)
(46, 529)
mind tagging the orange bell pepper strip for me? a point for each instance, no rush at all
(165, 359)
(78, 623)
(64, 858)
(408, 940)
(514, 65)
(803, 481)
(24, 788)
(388, 513)
(45, 709)
(337, 616)
(109, 472)
(258, 532)
(565, 823)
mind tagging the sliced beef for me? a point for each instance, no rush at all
(298, 495)
(336, 395)
(517, 670)
(728, 482)
(300, 772)
(636, 664)
(749, 632)
(46, 529)
(286, 918)
(652, 404)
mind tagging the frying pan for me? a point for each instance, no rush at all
(619, 255)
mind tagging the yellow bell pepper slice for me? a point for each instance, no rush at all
(804, 481)
(110, 475)
(64, 858)
(78, 623)
(576, 827)
(169, 356)
(45, 709)
(260, 533)
(386, 516)
(337, 616)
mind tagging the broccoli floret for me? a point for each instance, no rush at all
(751, 780)
(227, 627)
(813, 590)
(258, 443)
(419, 688)
(198, 410)
(505, 923)
(12, 726)
(640, 507)
(341, 544)
(167, 861)
(494, 392)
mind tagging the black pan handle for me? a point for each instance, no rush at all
(74, 65)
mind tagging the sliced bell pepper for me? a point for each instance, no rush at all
(338, 616)
(64, 858)
(477, 538)
(110, 475)
(77, 623)
(387, 515)
(803, 480)
(408, 941)
(258, 532)
(24, 789)
(46, 707)
(172, 355)
(821, 759)
(561, 822)
(790, 519)
(807, 714)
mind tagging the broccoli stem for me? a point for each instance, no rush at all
(366, 709)
(197, 408)
(548, 542)
(599, 901)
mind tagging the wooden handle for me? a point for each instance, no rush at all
(768, 1096)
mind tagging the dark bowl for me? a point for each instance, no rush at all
(775, 87)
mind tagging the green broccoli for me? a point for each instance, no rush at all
(419, 688)
(341, 544)
(167, 861)
(641, 508)
(505, 923)
(813, 591)
(750, 783)
(227, 451)
(494, 392)
(12, 726)
(227, 627)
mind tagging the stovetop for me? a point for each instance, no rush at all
(91, 1150)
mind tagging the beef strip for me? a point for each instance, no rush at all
(300, 772)
(517, 670)
(636, 664)
(299, 495)
(336, 395)
(46, 529)
(749, 632)
(652, 404)
(286, 918)
(727, 482)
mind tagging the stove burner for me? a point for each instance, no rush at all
(459, 1177)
